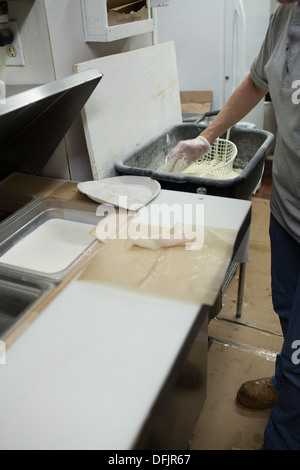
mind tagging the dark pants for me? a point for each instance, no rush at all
(283, 428)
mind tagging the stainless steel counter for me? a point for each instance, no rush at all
(109, 368)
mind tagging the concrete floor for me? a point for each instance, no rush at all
(241, 348)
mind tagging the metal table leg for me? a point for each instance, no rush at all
(241, 290)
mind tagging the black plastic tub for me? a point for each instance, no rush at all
(147, 158)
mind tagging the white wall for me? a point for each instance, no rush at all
(53, 41)
(208, 36)
(195, 27)
(31, 17)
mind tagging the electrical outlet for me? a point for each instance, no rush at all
(13, 53)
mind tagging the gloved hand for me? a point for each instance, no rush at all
(185, 153)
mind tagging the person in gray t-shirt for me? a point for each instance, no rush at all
(275, 70)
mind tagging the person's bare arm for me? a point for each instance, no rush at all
(241, 102)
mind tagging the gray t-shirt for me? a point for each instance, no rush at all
(277, 68)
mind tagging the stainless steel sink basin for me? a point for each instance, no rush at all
(19, 228)
(20, 287)
(17, 297)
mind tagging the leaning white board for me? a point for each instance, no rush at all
(138, 97)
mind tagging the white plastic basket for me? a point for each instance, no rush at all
(216, 163)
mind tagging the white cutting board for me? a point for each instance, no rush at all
(137, 98)
(86, 373)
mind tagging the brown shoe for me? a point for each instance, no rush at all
(257, 394)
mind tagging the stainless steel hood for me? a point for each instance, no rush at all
(33, 123)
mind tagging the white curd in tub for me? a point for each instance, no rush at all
(51, 247)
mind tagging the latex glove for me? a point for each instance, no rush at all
(185, 153)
